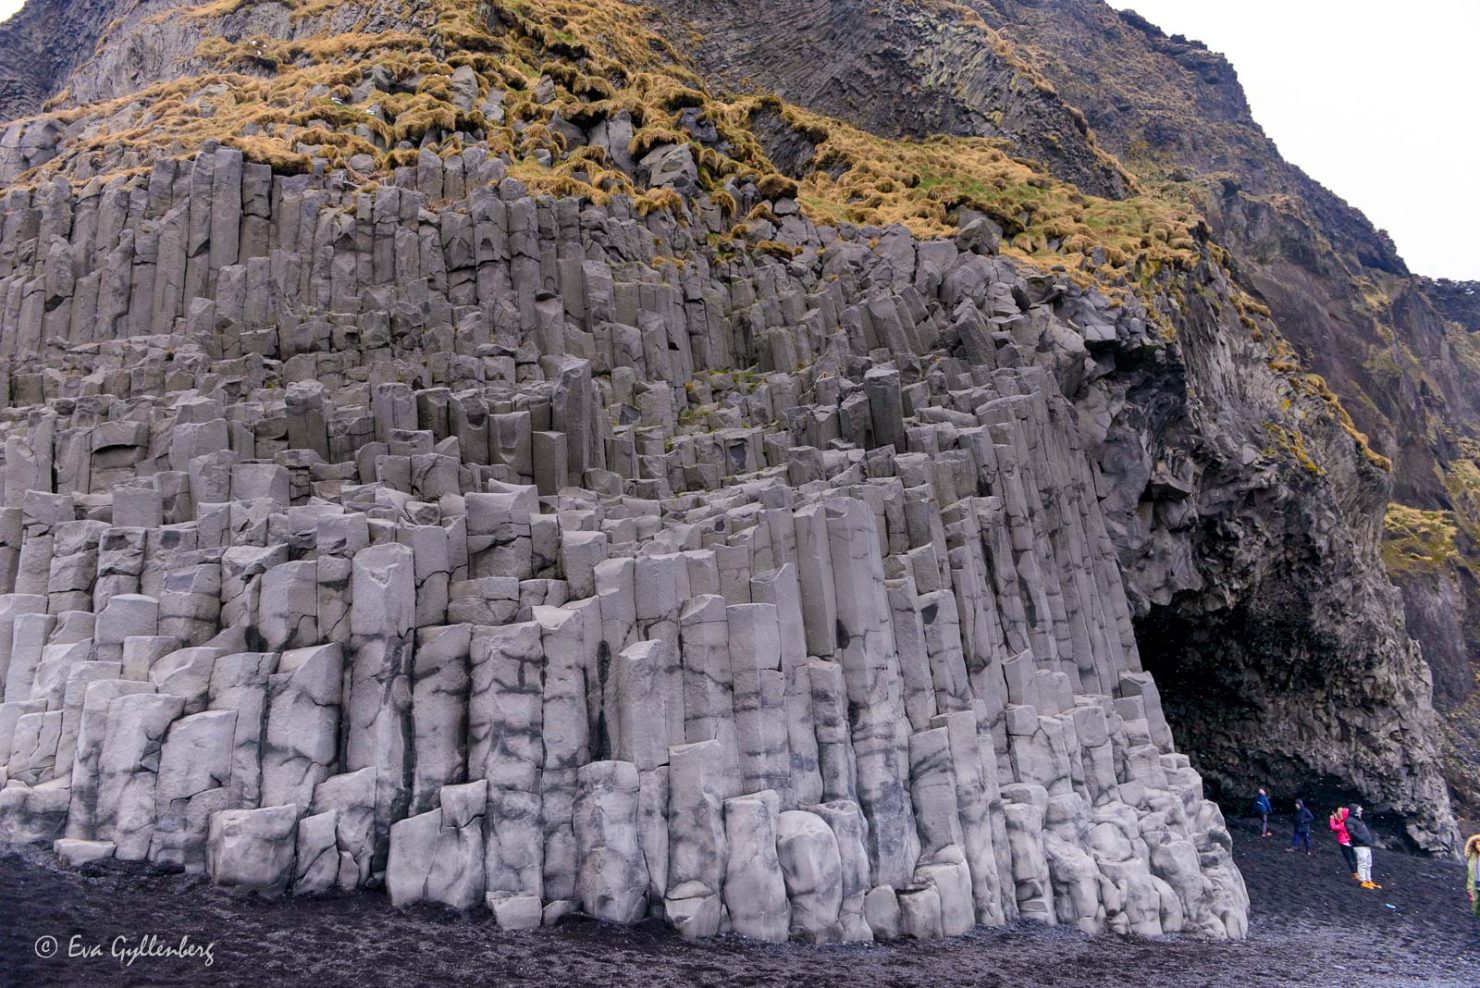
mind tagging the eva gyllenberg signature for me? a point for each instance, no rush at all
(128, 950)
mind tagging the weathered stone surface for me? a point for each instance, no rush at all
(590, 571)
(253, 849)
(240, 682)
(128, 766)
(613, 881)
(92, 731)
(755, 891)
(813, 870)
(316, 854)
(438, 856)
(76, 853)
(850, 830)
(699, 850)
(439, 706)
(300, 746)
(881, 909)
(506, 747)
(32, 814)
(194, 767)
(350, 798)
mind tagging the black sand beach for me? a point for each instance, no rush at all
(1310, 924)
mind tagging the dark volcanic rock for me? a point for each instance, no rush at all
(1328, 647)
(1398, 349)
(43, 42)
(893, 67)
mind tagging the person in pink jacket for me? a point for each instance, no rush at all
(1344, 839)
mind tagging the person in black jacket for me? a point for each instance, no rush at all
(1362, 842)
(1303, 820)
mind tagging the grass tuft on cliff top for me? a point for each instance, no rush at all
(287, 100)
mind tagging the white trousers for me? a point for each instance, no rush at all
(1364, 863)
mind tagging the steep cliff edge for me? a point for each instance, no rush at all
(777, 295)
(894, 68)
(1400, 350)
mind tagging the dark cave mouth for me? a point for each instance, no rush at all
(1213, 670)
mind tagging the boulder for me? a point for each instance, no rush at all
(253, 850)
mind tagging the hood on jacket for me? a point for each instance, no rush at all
(1472, 845)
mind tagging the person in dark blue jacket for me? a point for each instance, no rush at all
(1303, 819)
(1262, 807)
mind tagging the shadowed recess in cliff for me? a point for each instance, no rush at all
(1259, 697)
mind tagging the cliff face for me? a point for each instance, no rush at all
(894, 68)
(528, 466)
(1263, 596)
(43, 42)
(1399, 349)
(1175, 113)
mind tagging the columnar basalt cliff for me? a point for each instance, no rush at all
(456, 449)
(1398, 350)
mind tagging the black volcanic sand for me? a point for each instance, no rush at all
(1311, 926)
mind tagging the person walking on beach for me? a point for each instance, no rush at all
(1303, 819)
(1344, 839)
(1362, 842)
(1472, 873)
(1262, 807)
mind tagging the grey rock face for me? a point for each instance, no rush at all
(560, 612)
(755, 891)
(812, 867)
(348, 802)
(698, 848)
(194, 766)
(128, 768)
(613, 881)
(32, 815)
(301, 740)
(76, 853)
